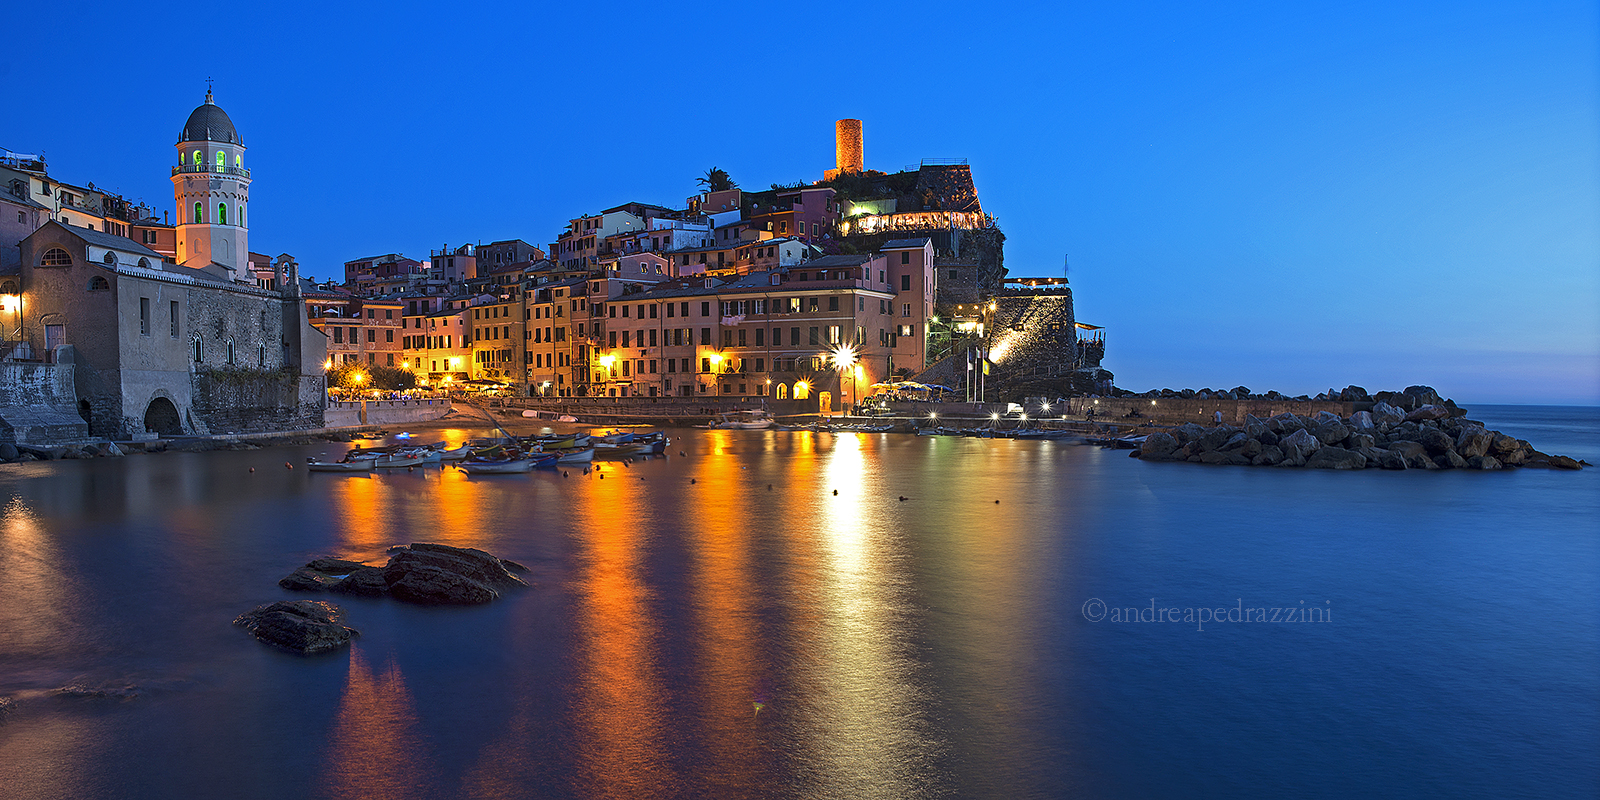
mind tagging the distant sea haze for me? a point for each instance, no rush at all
(763, 616)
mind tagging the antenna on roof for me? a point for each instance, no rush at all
(209, 81)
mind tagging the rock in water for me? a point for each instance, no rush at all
(1336, 458)
(1473, 442)
(437, 574)
(1298, 446)
(1428, 412)
(1158, 446)
(430, 585)
(304, 626)
(362, 581)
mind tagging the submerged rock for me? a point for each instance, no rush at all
(303, 626)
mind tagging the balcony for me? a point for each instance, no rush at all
(235, 171)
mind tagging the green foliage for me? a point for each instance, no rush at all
(363, 376)
(716, 180)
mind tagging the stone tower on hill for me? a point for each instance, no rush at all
(212, 189)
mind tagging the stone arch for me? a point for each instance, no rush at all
(782, 391)
(8, 287)
(161, 416)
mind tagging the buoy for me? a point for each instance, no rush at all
(692, 480)
(769, 487)
(287, 465)
(835, 492)
(252, 469)
(997, 502)
(563, 473)
(681, 453)
(411, 469)
(603, 477)
(902, 498)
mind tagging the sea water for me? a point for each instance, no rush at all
(763, 615)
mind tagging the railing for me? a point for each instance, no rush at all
(239, 171)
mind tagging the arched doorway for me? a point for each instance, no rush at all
(824, 402)
(162, 417)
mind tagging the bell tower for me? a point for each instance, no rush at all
(212, 189)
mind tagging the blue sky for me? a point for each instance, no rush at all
(1275, 195)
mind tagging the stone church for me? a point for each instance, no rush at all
(189, 348)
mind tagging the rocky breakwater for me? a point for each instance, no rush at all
(1432, 436)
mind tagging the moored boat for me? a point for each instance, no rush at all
(750, 420)
(363, 465)
(498, 466)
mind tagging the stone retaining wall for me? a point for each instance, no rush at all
(1176, 411)
(386, 412)
(39, 405)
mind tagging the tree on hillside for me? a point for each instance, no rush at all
(716, 180)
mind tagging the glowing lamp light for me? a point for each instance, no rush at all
(10, 302)
(328, 364)
(802, 386)
(994, 416)
(1024, 416)
(1044, 406)
(358, 378)
(607, 360)
(933, 415)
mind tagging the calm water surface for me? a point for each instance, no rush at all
(944, 646)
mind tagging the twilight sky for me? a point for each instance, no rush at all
(1275, 195)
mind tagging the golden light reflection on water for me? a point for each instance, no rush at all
(729, 670)
(375, 749)
(619, 711)
(35, 613)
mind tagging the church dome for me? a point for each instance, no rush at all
(209, 123)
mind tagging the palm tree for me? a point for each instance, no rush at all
(716, 179)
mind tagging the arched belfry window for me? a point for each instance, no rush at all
(199, 159)
(222, 159)
(199, 213)
(56, 257)
(183, 158)
(144, 263)
(222, 213)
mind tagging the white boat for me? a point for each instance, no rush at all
(392, 460)
(455, 453)
(579, 456)
(566, 418)
(750, 420)
(363, 465)
(498, 467)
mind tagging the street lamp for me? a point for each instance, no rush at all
(844, 358)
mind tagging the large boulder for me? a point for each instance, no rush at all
(1422, 396)
(363, 581)
(1285, 424)
(1473, 441)
(430, 585)
(1298, 446)
(1242, 444)
(1428, 412)
(1255, 426)
(1189, 432)
(1329, 431)
(1336, 458)
(320, 574)
(1158, 446)
(1362, 422)
(437, 574)
(1438, 442)
(1225, 459)
(1269, 456)
(1450, 459)
(1217, 437)
(1414, 454)
(1389, 459)
(1483, 462)
(304, 626)
(1385, 414)
(8, 451)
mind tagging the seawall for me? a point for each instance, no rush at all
(385, 412)
(38, 404)
(1178, 410)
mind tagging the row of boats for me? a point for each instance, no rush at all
(510, 454)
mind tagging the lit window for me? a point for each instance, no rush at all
(222, 213)
(199, 213)
(222, 159)
(199, 159)
(56, 257)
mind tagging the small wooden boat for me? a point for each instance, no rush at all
(750, 420)
(498, 466)
(577, 455)
(396, 460)
(455, 453)
(363, 465)
(605, 450)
